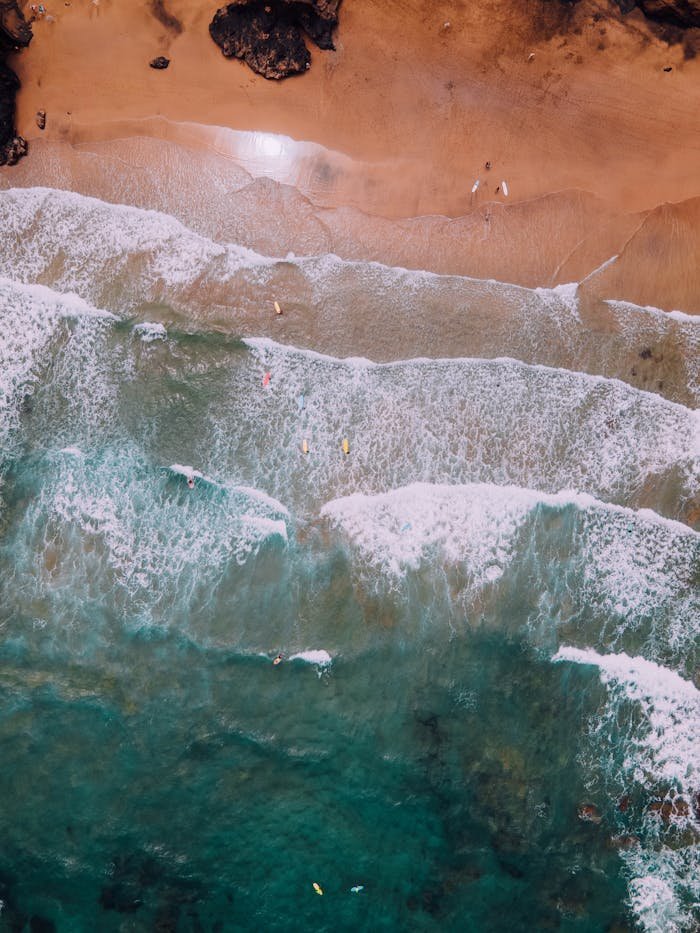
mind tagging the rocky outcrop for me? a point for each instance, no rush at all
(678, 12)
(15, 33)
(268, 34)
(682, 13)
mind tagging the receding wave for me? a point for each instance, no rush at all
(149, 261)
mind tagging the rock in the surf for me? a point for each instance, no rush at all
(589, 813)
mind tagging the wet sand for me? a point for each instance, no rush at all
(598, 145)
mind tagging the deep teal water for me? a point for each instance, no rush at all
(158, 772)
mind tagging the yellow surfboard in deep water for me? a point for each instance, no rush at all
(318, 889)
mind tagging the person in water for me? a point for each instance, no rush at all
(190, 482)
(278, 659)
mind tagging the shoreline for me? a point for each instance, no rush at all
(646, 258)
(597, 144)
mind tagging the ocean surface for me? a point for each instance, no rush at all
(486, 713)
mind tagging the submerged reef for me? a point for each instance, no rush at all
(269, 36)
(15, 33)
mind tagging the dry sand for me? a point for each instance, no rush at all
(599, 146)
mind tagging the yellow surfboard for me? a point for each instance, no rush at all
(318, 889)
(277, 308)
(305, 446)
(346, 446)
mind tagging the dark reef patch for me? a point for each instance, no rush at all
(268, 35)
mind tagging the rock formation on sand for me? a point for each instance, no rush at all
(15, 33)
(684, 13)
(268, 34)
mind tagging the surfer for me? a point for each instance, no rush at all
(190, 482)
(277, 660)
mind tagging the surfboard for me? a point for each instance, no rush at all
(305, 446)
(266, 379)
(346, 446)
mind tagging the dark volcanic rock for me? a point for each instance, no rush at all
(268, 34)
(160, 62)
(15, 33)
(678, 12)
(681, 13)
(684, 14)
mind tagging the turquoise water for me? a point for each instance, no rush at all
(487, 614)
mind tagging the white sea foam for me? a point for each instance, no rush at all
(257, 496)
(189, 471)
(120, 531)
(663, 883)
(465, 420)
(662, 754)
(320, 657)
(399, 530)
(667, 749)
(149, 331)
(625, 577)
(32, 319)
(146, 257)
(66, 237)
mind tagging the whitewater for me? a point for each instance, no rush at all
(486, 614)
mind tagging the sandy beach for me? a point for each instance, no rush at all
(380, 144)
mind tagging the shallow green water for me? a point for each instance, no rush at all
(160, 773)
